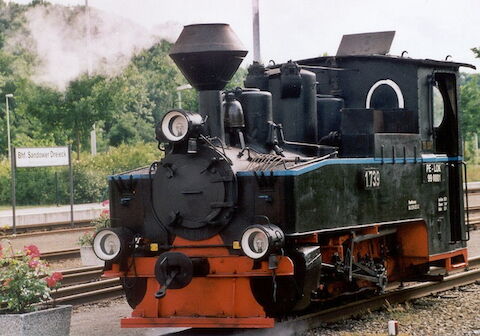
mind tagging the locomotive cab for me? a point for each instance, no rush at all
(322, 176)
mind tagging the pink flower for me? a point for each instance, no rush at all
(53, 279)
(51, 282)
(33, 263)
(106, 202)
(32, 251)
(57, 276)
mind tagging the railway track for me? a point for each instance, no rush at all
(45, 227)
(393, 296)
(61, 255)
(85, 285)
(474, 216)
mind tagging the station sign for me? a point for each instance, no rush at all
(41, 156)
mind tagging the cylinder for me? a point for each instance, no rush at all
(298, 115)
(328, 114)
(257, 111)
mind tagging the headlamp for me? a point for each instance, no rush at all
(258, 241)
(177, 124)
(110, 244)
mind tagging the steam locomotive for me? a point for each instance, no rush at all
(322, 176)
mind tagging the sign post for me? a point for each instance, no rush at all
(40, 157)
(71, 182)
(14, 197)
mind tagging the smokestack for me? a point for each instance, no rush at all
(208, 55)
(256, 32)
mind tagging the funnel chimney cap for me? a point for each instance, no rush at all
(208, 55)
(206, 37)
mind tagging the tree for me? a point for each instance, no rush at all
(470, 101)
(126, 106)
(476, 51)
(161, 78)
(37, 115)
(470, 104)
(79, 112)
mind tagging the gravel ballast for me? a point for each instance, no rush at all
(451, 313)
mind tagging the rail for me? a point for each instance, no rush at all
(393, 296)
(85, 285)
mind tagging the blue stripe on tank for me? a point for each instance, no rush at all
(352, 161)
(309, 167)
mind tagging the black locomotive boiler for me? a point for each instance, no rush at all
(322, 176)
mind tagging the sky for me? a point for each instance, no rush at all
(308, 28)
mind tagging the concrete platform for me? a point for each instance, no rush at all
(39, 216)
(59, 238)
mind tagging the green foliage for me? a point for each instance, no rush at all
(471, 153)
(90, 174)
(470, 104)
(25, 280)
(102, 222)
(86, 239)
(237, 79)
(476, 51)
(36, 186)
(124, 109)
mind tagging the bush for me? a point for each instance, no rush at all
(36, 186)
(25, 280)
(471, 153)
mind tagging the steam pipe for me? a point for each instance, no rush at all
(210, 107)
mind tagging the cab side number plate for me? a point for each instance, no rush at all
(371, 178)
(433, 172)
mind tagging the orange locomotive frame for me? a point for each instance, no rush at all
(223, 298)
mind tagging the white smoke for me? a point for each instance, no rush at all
(58, 35)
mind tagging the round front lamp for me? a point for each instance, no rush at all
(258, 241)
(177, 125)
(110, 244)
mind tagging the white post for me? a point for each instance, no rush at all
(179, 93)
(392, 328)
(93, 140)
(9, 95)
(256, 32)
